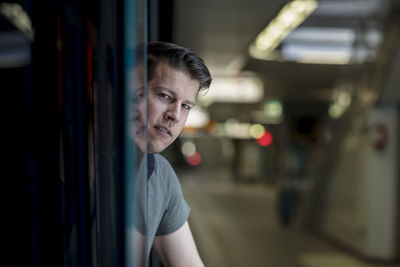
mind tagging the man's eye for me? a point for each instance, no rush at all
(186, 107)
(164, 96)
(139, 97)
(135, 98)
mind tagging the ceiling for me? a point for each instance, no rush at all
(220, 31)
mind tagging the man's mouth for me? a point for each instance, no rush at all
(163, 129)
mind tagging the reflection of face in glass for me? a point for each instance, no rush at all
(171, 95)
(136, 83)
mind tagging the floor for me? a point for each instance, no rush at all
(237, 224)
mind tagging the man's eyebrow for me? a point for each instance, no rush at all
(173, 93)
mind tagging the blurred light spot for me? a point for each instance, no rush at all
(342, 100)
(230, 126)
(194, 159)
(236, 129)
(335, 111)
(257, 130)
(265, 140)
(273, 109)
(188, 148)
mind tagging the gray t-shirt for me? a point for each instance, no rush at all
(166, 210)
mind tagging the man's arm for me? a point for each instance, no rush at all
(178, 249)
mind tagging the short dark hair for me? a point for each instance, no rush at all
(177, 57)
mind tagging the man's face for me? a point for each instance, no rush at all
(171, 95)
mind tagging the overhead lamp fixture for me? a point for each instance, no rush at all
(328, 45)
(291, 16)
(318, 54)
(18, 16)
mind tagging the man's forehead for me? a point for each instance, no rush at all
(167, 68)
(162, 73)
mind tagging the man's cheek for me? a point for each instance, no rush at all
(141, 110)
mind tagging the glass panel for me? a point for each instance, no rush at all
(74, 189)
(120, 190)
(135, 156)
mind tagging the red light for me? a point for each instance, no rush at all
(194, 159)
(265, 140)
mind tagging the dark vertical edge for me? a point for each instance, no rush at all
(119, 88)
(153, 22)
(33, 259)
(43, 139)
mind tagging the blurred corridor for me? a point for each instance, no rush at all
(238, 224)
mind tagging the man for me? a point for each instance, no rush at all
(175, 76)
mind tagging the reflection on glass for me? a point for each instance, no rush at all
(135, 158)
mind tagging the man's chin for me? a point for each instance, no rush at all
(150, 148)
(154, 150)
(141, 146)
(156, 147)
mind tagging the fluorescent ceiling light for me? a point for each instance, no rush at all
(17, 16)
(14, 49)
(330, 45)
(318, 54)
(333, 36)
(350, 8)
(14, 58)
(322, 35)
(291, 15)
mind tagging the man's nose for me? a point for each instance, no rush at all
(174, 111)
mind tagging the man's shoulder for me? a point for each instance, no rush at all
(159, 164)
(163, 175)
(160, 161)
(158, 157)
